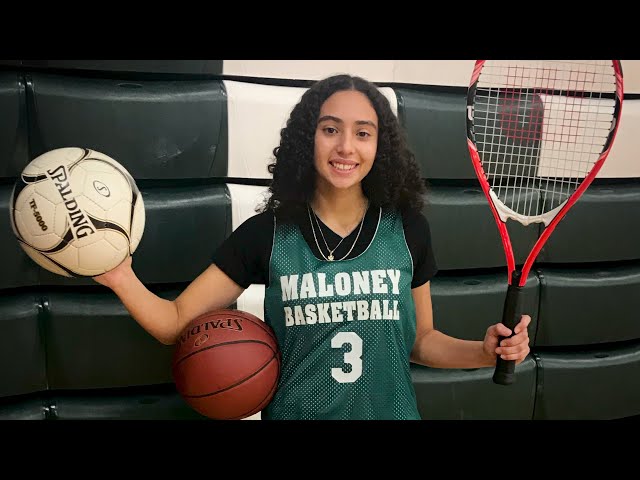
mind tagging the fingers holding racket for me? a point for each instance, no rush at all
(514, 344)
(504, 373)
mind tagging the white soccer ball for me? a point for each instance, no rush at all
(77, 212)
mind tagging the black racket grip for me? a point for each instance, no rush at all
(504, 373)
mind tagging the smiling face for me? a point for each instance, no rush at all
(346, 140)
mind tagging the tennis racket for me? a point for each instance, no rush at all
(538, 132)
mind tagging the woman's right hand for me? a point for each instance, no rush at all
(117, 275)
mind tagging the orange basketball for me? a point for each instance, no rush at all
(226, 364)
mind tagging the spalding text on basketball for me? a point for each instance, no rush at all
(229, 324)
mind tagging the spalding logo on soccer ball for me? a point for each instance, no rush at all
(77, 212)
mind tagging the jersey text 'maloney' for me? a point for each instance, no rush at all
(312, 285)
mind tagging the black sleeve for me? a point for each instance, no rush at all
(418, 236)
(244, 255)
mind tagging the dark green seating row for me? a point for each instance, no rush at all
(472, 395)
(590, 385)
(586, 306)
(84, 340)
(156, 129)
(168, 129)
(601, 227)
(185, 223)
(155, 402)
(177, 68)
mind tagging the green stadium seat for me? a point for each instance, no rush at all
(602, 226)
(18, 270)
(158, 402)
(155, 129)
(92, 342)
(465, 305)
(584, 306)
(464, 233)
(174, 68)
(24, 407)
(470, 394)
(435, 122)
(22, 356)
(13, 131)
(600, 383)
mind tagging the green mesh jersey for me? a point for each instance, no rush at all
(345, 328)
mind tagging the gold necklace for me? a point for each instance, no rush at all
(330, 258)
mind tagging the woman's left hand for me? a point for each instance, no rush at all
(514, 348)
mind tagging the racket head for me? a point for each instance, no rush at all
(538, 132)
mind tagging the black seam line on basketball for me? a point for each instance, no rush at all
(269, 394)
(224, 343)
(62, 267)
(235, 384)
(260, 323)
(273, 389)
(102, 225)
(256, 409)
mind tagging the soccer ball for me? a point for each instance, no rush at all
(77, 212)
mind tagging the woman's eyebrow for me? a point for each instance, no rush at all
(339, 120)
(330, 118)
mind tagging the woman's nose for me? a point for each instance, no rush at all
(345, 145)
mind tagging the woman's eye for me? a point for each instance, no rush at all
(364, 134)
(330, 130)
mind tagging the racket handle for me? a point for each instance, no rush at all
(504, 373)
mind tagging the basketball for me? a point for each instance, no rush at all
(226, 364)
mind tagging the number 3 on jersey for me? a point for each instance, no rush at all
(353, 357)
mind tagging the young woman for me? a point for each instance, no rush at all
(345, 253)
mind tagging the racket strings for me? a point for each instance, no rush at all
(540, 127)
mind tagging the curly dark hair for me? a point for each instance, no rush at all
(394, 180)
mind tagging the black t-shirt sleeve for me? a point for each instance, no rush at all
(244, 255)
(418, 235)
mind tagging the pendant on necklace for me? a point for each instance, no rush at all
(330, 257)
